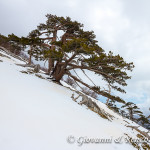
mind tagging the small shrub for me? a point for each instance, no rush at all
(71, 82)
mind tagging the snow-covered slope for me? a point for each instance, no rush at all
(37, 114)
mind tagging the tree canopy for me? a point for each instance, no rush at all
(132, 109)
(68, 47)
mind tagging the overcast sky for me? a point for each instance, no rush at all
(122, 26)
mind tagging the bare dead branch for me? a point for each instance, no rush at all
(87, 76)
(142, 132)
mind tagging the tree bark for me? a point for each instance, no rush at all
(51, 61)
(109, 91)
(58, 72)
(50, 65)
(30, 56)
(98, 92)
(60, 69)
(142, 132)
(131, 114)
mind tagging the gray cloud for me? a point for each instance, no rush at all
(120, 25)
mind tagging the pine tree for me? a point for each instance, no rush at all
(132, 109)
(72, 49)
(48, 33)
(11, 43)
(111, 104)
(143, 120)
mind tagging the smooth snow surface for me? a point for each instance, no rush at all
(37, 114)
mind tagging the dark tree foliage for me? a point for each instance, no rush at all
(111, 104)
(132, 109)
(143, 120)
(32, 40)
(3, 39)
(10, 44)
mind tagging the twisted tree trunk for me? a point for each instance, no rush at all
(142, 132)
(30, 55)
(51, 61)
